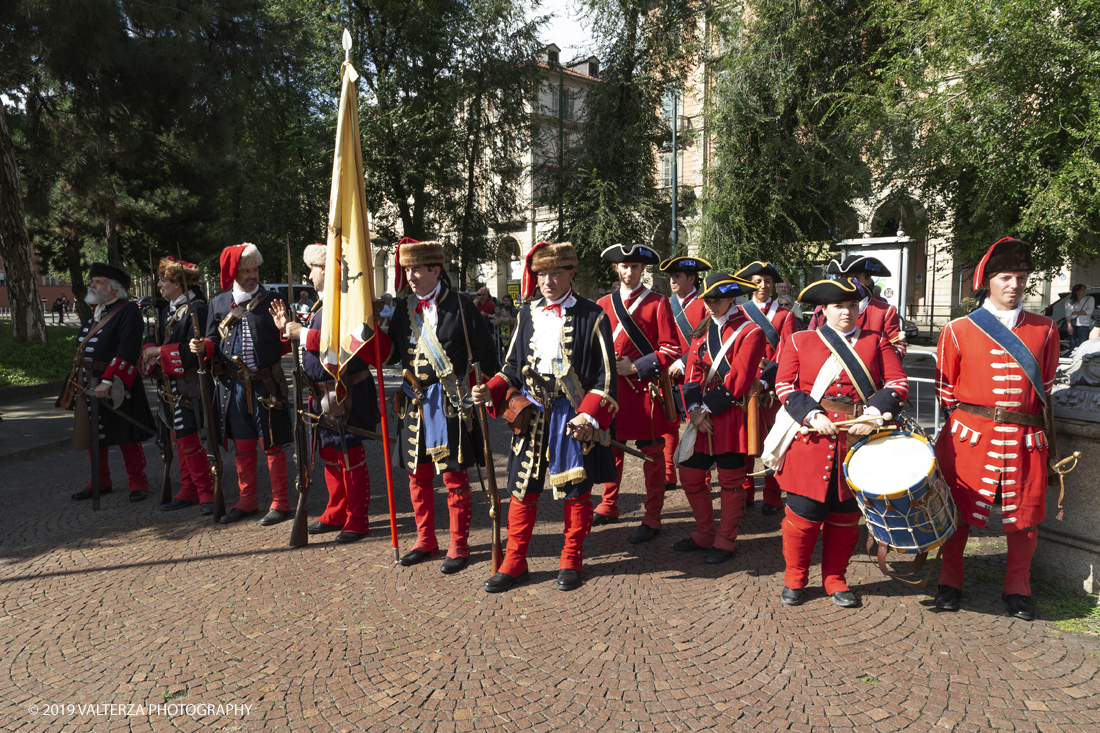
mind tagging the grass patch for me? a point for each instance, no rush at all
(1070, 611)
(24, 363)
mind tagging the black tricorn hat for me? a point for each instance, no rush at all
(102, 269)
(633, 253)
(685, 264)
(858, 263)
(720, 285)
(824, 292)
(760, 268)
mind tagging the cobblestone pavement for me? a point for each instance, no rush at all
(131, 607)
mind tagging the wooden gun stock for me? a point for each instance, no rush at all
(668, 403)
(752, 422)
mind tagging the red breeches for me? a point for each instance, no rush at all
(521, 526)
(459, 508)
(348, 489)
(133, 455)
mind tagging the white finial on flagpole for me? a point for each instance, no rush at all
(347, 45)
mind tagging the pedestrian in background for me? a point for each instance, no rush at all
(1081, 307)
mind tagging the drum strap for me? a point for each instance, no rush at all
(855, 368)
(918, 563)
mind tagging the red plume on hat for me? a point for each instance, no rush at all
(530, 280)
(1006, 255)
(399, 279)
(234, 258)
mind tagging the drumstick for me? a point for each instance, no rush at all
(886, 416)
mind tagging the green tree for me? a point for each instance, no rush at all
(786, 104)
(991, 117)
(611, 192)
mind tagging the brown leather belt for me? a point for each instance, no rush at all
(844, 408)
(348, 382)
(241, 375)
(1002, 415)
(95, 366)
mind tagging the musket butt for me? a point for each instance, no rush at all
(396, 555)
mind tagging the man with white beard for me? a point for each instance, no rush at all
(109, 346)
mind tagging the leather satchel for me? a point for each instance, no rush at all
(518, 411)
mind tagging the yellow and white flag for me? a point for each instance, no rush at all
(348, 321)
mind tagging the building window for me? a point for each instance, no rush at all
(3, 278)
(669, 105)
(552, 56)
(666, 170)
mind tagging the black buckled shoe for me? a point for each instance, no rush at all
(320, 527)
(644, 533)
(502, 581)
(948, 598)
(687, 545)
(236, 515)
(177, 504)
(139, 495)
(769, 509)
(717, 555)
(568, 579)
(345, 538)
(1018, 606)
(415, 557)
(845, 599)
(791, 596)
(452, 565)
(598, 520)
(206, 508)
(87, 493)
(275, 516)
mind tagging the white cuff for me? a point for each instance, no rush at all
(302, 335)
(806, 420)
(874, 412)
(591, 420)
(678, 364)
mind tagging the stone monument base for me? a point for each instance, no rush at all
(1068, 552)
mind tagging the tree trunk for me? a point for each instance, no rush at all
(76, 276)
(112, 241)
(27, 317)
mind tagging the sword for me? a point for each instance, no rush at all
(96, 402)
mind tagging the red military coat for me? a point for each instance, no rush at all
(878, 315)
(730, 434)
(785, 325)
(811, 458)
(977, 455)
(696, 312)
(638, 417)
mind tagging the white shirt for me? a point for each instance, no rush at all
(548, 324)
(1009, 318)
(430, 312)
(1087, 304)
(628, 294)
(240, 297)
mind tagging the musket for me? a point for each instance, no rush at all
(164, 432)
(205, 416)
(324, 421)
(299, 535)
(599, 436)
(492, 493)
(95, 447)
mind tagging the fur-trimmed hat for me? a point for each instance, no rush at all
(316, 255)
(175, 270)
(720, 285)
(823, 292)
(412, 253)
(237, 257)
(546, 256)
(760, 268)
(633, 253)
(1006, 255)
(102, 269)
(685, 264)
(858, 263)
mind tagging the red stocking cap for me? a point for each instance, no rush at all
(399, 280)
(230, 261)
(979, 271)
(527, 285)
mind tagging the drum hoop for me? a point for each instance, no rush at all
(879, 436)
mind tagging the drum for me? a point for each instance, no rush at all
(905, 501)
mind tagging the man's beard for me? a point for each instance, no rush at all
(93, 297)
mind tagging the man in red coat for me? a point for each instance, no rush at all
(818, 389)
(875, 314)
(722, 363)
(777, 324)
(684, 279)
(994, 373)
(644, 335)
